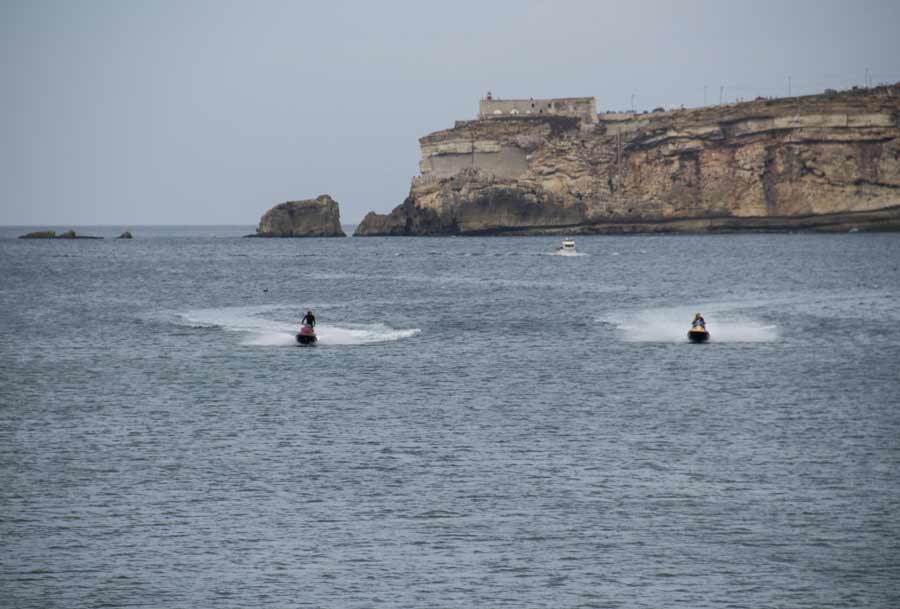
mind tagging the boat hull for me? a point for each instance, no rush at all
(306, 337)
(698, 336)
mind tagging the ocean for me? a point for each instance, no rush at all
(482, 424)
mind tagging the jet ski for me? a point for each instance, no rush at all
(698, 334)
(307, 336)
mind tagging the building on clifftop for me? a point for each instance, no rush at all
(583, 108)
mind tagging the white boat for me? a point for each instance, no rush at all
(567, 247)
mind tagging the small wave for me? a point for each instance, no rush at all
(261, 330)
(199, 325)
(270, 339)
(242, 319)
(565, 254)
(362, 334)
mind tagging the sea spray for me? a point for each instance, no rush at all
(671, 325)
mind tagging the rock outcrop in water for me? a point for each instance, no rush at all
(40, 234)
(319, 217)
(51, 234)
(822, 162)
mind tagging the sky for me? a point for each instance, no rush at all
(135, 112)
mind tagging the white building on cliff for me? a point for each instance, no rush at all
(584, 108)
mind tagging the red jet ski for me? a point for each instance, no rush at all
(307, 336)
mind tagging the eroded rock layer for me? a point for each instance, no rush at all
(824, 162)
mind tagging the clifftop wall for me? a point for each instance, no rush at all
(828, 162)
(583, 108)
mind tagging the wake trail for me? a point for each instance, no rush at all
(566, 254)
(261, 330)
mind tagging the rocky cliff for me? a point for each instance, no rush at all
(319, 217)
(823, 162)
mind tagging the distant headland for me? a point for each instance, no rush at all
(828, 162)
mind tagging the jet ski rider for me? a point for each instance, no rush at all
(699, 321)
(309, 319)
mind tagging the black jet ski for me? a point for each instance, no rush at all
(698, 334)
(307, 336)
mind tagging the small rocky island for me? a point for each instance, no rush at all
(319, 217)
(51, 234)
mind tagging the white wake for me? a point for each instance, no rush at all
(263, 326)
(671, 326)
(565, 254)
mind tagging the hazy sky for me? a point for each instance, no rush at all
(180, 112)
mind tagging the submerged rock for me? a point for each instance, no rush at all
(319, 217)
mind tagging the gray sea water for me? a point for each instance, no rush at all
(483, 424)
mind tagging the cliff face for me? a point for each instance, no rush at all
(319, 217)
(825, 162)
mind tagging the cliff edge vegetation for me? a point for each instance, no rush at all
(822, 162)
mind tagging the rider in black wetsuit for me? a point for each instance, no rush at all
(309, 319)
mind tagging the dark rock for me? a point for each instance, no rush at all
(405, 220)
(319, 217)
(71, 234)
(492, 210)
(49, 234)
(41, 234)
